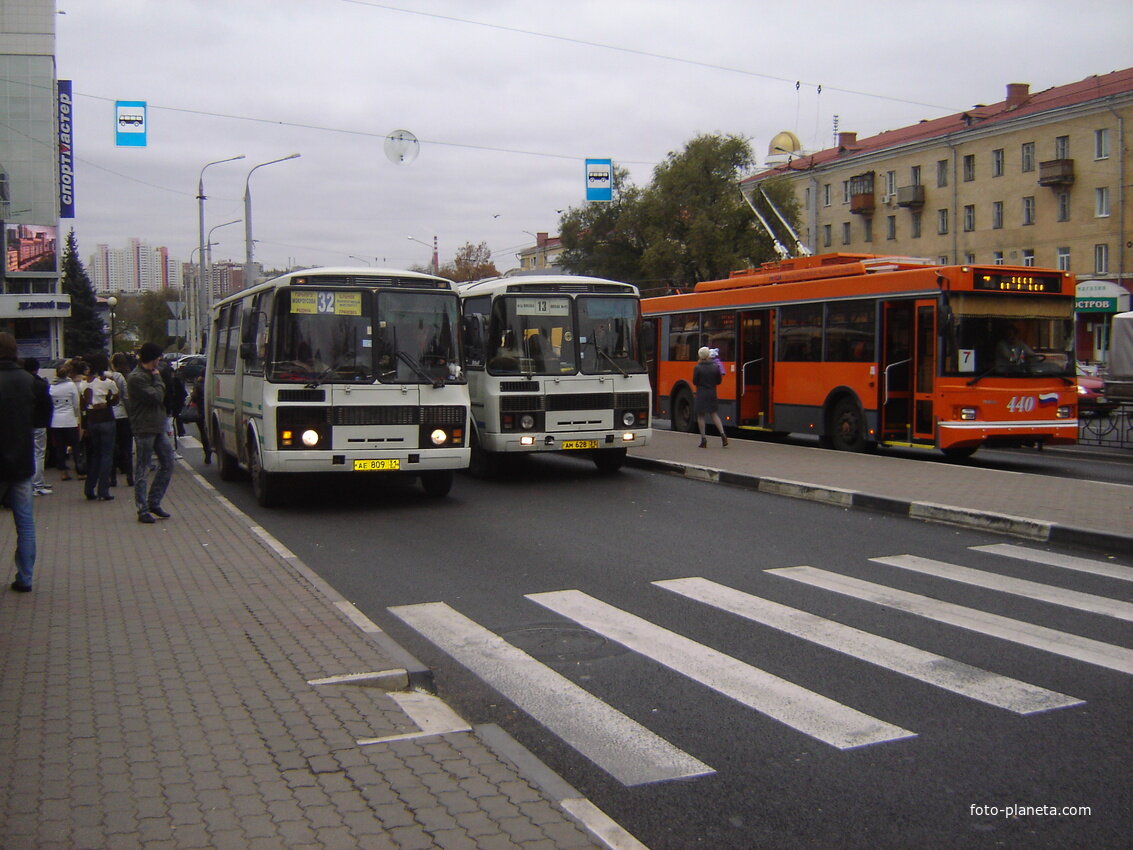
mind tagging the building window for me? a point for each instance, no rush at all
(915, 175)
(826, 235)
(846, 233)
(942, 172)
(1064, 259)
(891, 227)
(969, 257)
(867, 229)
(891, 182)
(1063, 199)
(997, 162)
(1101, 259)
(845, 191)
(806, 198)
(997, 215)
(997, 258)
(942, 222)
(1029, 209)
(826, 194)
(916, 223)
(969, 217)
(1101, 144)
(1101, 201)
(969, 167)
(1062, 147)
(1028, 256)
(1027, 155)
(943, 259)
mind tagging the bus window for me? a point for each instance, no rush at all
(850, 331)
(719, 332)
(684, 336)
(1009, 335)
(608, 335)
(322, 336)
(800, 332)
(416, 338)
(531, 335)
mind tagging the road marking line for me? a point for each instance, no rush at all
(938, 670)
(1053, 559)
(619, 745)
(1017, 631)
(808, 712)
(1015, 586)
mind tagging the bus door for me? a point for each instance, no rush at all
(924, 360)
(753, 372)
(896, 364)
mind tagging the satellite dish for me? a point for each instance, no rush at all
(402, 147)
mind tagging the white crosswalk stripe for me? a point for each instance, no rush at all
(1017, 631)
(1055, 559)
(813, 714)
(1017, 586)
(928, 667)
(619, 745)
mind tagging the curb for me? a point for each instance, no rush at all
(1030, 529)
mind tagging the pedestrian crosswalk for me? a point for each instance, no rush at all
(633, 754)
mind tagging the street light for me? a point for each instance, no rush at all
(112, 302)
(436, 258)
(360, 259)
(198, 303)
(248, 216)
(208, 265)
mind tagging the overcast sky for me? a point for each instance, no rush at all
(507, 97)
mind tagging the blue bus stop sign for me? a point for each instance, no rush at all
(599, 179)
(130, 123)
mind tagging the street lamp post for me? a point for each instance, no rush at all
(112, 302)
(360, 259)
(208, 271)
(248, 217)
(199, 308)
(436, 257)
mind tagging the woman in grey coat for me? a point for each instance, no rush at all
(706, 377)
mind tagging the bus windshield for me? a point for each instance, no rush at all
(1009, 335)
(531, 335)
(334, 336)
(608, 335)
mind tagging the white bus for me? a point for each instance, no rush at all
(338, 370)
(555, 363)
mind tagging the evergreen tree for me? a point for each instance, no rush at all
(83, 331)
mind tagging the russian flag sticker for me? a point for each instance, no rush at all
(1048, 398)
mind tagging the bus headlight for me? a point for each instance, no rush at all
(628, 418)
(527, 422)
(1064, 412)
(439, 437)
(310, 438)
(967, 413)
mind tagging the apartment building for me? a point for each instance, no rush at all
(1038, 179)
(136, 268)
(543, 255)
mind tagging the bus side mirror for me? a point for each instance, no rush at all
(247, 351)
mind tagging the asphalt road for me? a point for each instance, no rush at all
(526, 594)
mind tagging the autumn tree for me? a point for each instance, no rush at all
(472, 262)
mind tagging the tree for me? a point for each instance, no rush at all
(472, 262)
(606, 239)
(83, 330)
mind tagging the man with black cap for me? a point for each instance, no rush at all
(24, 406)
(145, 405)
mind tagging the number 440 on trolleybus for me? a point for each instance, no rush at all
(338, 370)
(863, 349)
(555, 364)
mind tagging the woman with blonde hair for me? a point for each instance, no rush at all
(706, 377)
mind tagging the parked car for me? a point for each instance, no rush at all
(190, 367)
(1092, 400)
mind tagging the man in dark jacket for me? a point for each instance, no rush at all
(145, 405)
(24, 406)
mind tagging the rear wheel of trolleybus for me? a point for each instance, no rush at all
(266, 486)
(226, 464)
(609, 460)
(846, 427)
(437, 482)
(681, 416)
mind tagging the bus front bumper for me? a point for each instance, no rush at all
(962, 434)
(565, 441)
(365, 461)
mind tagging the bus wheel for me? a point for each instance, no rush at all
(683, 418)
(265, 485)
(437, 482)
(846, 432)
(959, 452)
(609, 460)
(226, 464)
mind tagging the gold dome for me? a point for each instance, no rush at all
(784, 142)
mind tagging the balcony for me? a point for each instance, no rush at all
(1056, 172)
(862, 203)
(910, 196)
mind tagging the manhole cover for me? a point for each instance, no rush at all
(562, 643)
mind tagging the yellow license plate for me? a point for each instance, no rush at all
(580, 444)
(376, 465)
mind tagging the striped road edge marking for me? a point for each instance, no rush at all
(619, 745)
(810, 713)
(1015, 586)
(1017, 631)
(1054, 559)
(947, 673)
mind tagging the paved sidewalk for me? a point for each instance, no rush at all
(1038, 507)
(174, 685)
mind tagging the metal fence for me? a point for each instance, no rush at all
(1114, 430)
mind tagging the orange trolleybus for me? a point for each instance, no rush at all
(862, 349)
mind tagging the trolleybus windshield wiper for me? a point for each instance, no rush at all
(623, 372)
(405, 357)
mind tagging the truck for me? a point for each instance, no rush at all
(1119, 374)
